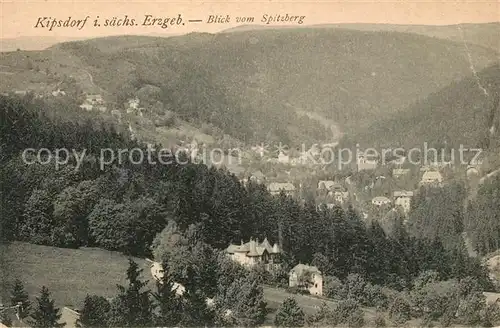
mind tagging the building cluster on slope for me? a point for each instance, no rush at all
(253, 253)
(94, 101)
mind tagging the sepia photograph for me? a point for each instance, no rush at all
(249, 163)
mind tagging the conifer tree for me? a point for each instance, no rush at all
(45, 314)
(168, 303)
(94, 313)
(289, 314)
(132, 306)
(196, 312)
(245, 299)
(20, 296)
(5, 319)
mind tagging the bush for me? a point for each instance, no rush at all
(322, 318)
(379, 320)
(297, 290)
(333, 287)
(348, 312)
(374, 296)
(279, 278)
(470, 309)
(491, 315)
(434, 299)
(356, 319)
(289, 314)
(260, 274)
(355, 287)
(399, 310)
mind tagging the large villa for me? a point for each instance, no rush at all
(253, 253)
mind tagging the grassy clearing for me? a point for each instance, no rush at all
(68, 273)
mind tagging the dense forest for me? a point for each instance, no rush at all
(123, 207)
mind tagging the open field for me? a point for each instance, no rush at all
(70, 274)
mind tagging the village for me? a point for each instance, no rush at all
(276, 212)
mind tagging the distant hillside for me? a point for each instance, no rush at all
(32, 43)
(266, 85)
(486, 35)
(461, 113)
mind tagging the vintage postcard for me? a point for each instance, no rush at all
(249, 163)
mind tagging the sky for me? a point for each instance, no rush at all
(18, 18)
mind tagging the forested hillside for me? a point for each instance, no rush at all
(261, 84)
(466, 112)
(123, 207)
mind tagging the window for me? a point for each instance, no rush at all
(316, 285)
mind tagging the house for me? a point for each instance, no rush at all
(397, 173)
(326, 185)
(438, 165)
(341, 196)
(366, 164)
(431, 178)
(306, 277)
(158, 273)
(399, 161)
(133, 103)
(253, 253)
(68, 317)
(58, 92)
(257, 176)
(94, 99)
(11, 313)
(102, 109)
(275, 188)
(380, 201)
(403, 199)
(282, 158)
(330, 186)
(87, 107)
(472, 170)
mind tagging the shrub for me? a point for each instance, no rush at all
(333, 287)
(322, 318)
(297, 290)
(399, 310)
(491, 315)
(348, 312)
(379, 320)
(355, 287)
(374, 296)
(470, 309)
(289, 314)
(434, 299)
(356, 319)
(279, 278)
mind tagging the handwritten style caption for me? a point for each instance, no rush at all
(80, 23)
